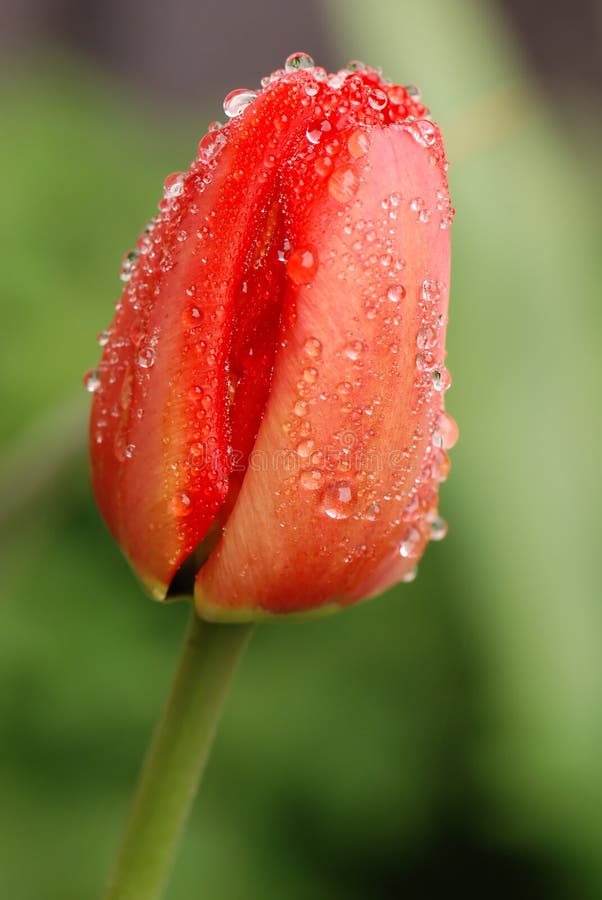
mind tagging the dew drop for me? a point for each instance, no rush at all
(438, 529)
(410, 575)
(237, 101)
(396, 292)
(103, 338)
(337, 500)
(302, 265)
(377, 99)
(315, 132)
(146, 357)
(298, 61)
(181, 505)
(409, 544)
(310, 375)
(359, 143)
(431, 290)
(426, 338)
(311, 479)
(92, 381)
(343, 184)
(305, 448)
(446, 434)
(313, 347)
(441, 379)
(173, 186)
(354, 350)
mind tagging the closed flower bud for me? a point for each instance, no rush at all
(267, 426)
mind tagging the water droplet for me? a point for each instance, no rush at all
(127, 265)
(343, 184)
(446, 434)
(298, 61)
(426, 338)
(438, 529)
(441, 379)
(396, 292)
(408, 546)
(181, 505)
(413, 91)
(92, 381)
(311, 479)
(354, 350)
(359, 143)
(356, 65)
(305, 448)
(146, 357)
(310, 375)
(173, 185)
(313, 347)
(431, 290)
(315, 132)
(377, 99)
(410, 575)
(302, 265)
(237, 101)
(192, 316)
(423, 131)
(372, 512)
(103, 338)
(210, 146)
(337, 500)
(300, 408)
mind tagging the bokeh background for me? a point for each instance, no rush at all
(445, 739)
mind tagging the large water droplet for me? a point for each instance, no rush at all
(298, 61)
(237, 101)
(337, 500)
(181, 505)
(446, 433)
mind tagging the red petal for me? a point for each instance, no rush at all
(342, 481)
(161, 420)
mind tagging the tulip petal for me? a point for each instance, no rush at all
(161, 426)
(340, 491)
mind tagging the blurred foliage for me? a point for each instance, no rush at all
(445, 738)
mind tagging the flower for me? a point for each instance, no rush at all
(267, 422)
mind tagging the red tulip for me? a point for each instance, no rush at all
(268, 411)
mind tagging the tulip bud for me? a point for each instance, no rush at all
(267, 425)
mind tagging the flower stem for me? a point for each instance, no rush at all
(176, 759)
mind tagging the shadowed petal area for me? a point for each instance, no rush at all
(340, 494)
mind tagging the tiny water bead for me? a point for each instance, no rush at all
(181, 505)
(237, 101)
(337, 500)
(311, 479)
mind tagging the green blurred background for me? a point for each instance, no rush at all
(444, 739)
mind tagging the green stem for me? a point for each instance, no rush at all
(176, 759)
